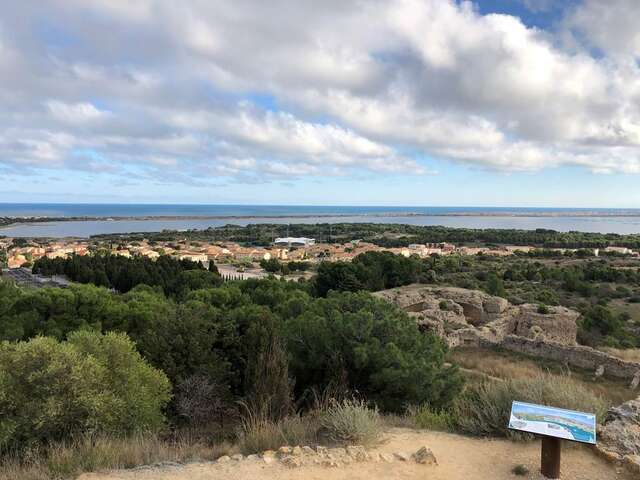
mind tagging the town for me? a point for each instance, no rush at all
(243, 261)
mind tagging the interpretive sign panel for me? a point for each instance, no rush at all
(553, 422)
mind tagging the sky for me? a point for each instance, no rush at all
(376, 102)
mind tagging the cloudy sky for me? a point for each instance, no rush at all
(384, 102)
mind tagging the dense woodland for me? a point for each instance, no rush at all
(605, 290)
(390, 235)
(175, 277)
(270, 342)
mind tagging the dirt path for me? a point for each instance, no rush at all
(459, 458)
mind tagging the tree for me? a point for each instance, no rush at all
(369, 346)
(268, 388)
(495, 285)
(272, 265)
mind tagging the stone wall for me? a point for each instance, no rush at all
(573, 355)
(558, 324)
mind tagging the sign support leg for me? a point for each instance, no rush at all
(550, 457)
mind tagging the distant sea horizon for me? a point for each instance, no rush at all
(128, 218)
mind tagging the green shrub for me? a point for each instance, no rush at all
(426, 417)
(543, 309)
(484, 409)
(52, 390)
(351, 422)
(520, 470)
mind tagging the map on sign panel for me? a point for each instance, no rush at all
(553, 422)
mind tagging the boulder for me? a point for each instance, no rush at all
(285, 450)
(224, 459)
(425, 456)
(619, 436)
(402, 456)
(358, 453)
(291, 461)
(386, 457)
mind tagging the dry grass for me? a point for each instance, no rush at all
(480, 363)
(495, 364)
(352, 422)
(88, 454)
(629, 355)
(484, 409)
(259, 434)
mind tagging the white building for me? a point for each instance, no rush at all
(295, 241)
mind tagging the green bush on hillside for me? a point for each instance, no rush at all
(52, 390)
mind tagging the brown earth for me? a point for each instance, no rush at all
(459, 458)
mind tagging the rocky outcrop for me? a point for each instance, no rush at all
(294, 457)
(470, 318)
(619, 437)
(463, 316)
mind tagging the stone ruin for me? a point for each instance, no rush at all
(465, 317)
(471, 318)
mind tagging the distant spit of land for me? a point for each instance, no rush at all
(559, 213)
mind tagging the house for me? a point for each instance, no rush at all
(294, 241)
(16, 261)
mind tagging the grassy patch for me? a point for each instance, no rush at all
(505, 365)
(351, 422)
(259, 434)
(426, 417)
(89, 454)
(483, 409)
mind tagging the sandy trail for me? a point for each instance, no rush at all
(459, 458)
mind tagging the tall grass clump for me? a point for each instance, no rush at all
(351, 421)
(484, 409)
(89, 453)
(258, 434)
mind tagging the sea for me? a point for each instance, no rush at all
(128, 218)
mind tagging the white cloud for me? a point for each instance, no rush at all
(610, 25)
(251, 90)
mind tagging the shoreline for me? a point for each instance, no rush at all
(20, 220)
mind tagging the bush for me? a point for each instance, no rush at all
(520, 470)
(484, 409)
(351, 422)
(426, 417)
(52, 390)
(543, 309)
